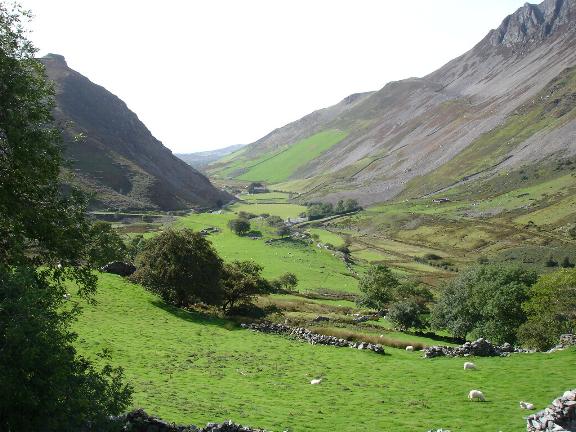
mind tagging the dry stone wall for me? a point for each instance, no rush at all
(311, 337)
(559, 416)
(480, 348)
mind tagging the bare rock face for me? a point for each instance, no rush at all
(118, 159)
(534, 23)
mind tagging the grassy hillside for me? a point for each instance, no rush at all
(282, 164)
(192, 369)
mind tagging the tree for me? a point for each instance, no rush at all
(406, 314)
(46, 385)
(350, 205)
(283, 231)
(378, 287)
(566, 263)
(275, 221)
(485, 301)
(135, 246)
(551, 262)
(182, 267)
(239, 226)
(105, 245)
(551, 310)
(242, 283)
(340, 207)
(287, 281)
(418, 293)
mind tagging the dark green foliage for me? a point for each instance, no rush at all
(405, 314)
(572, 232)
(239, 226)
(551, 262)
(287, 281)
(275, 221)
(566, 263)
(283, 231)
(484, 301)
(46, 386)
(420, 294)
(551, 310)
(182, 267)
(319, 210)
(242, 283)
(105, 245)
(134, 246)
(378, 287)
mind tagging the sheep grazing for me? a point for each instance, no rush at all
(469, 365)
(409, 348)
(526, 405)
(476, 395)
(316, 381)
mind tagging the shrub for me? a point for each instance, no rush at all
(405, 314)
(246, 215)
(182, 267)
(551, 310)
(378, 287)
(287, 282)
(283, 231)
(239, 226)
(275, 221)
(242, 283)
(485, 301)
(105, 245)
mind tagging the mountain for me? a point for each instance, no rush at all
(200, 160)
(117, 158)
(507, 103)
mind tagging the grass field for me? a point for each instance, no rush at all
(191, 369)
(283, 210)
(315, 268)
(282, 165)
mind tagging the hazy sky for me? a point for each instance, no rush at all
(211, 73)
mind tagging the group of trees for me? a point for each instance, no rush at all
(322, 210)
(183, 268)
(46, 244)
(406, 301)
(500, 303)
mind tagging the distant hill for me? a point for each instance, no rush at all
(200, 160)
(117, 157)
(508, 102)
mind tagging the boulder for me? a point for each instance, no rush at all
(119, 268)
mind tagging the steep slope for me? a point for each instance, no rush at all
(117, 157)
(200, 160)
(411, 128)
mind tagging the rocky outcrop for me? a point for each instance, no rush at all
(119, 268)
(480, 348)
(560, 415)
(140, 421)
(534, 23)
(311, 337)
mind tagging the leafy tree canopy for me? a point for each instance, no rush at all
(378, 287)
(182, 267)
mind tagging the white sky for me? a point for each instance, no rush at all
(205, 74)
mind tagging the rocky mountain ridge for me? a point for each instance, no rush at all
(399, 137)
(117, 157)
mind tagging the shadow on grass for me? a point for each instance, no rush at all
(196, 317)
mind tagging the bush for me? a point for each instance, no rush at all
(286, 282)
(182, 267)
(485, 301)
(246, 215)
(275, 221)
(551, 310)
(405, 314)
(105, 245)
(283, 231)
(239, 226)
(242, 283)
(378, 287)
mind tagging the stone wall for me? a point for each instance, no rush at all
(480, 348)
(139, 421)
(559, 416)
(311, 337)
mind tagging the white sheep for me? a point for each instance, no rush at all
(316, 381)
(469, 365)
(409, 348)
(476, 395)
(526, 405)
